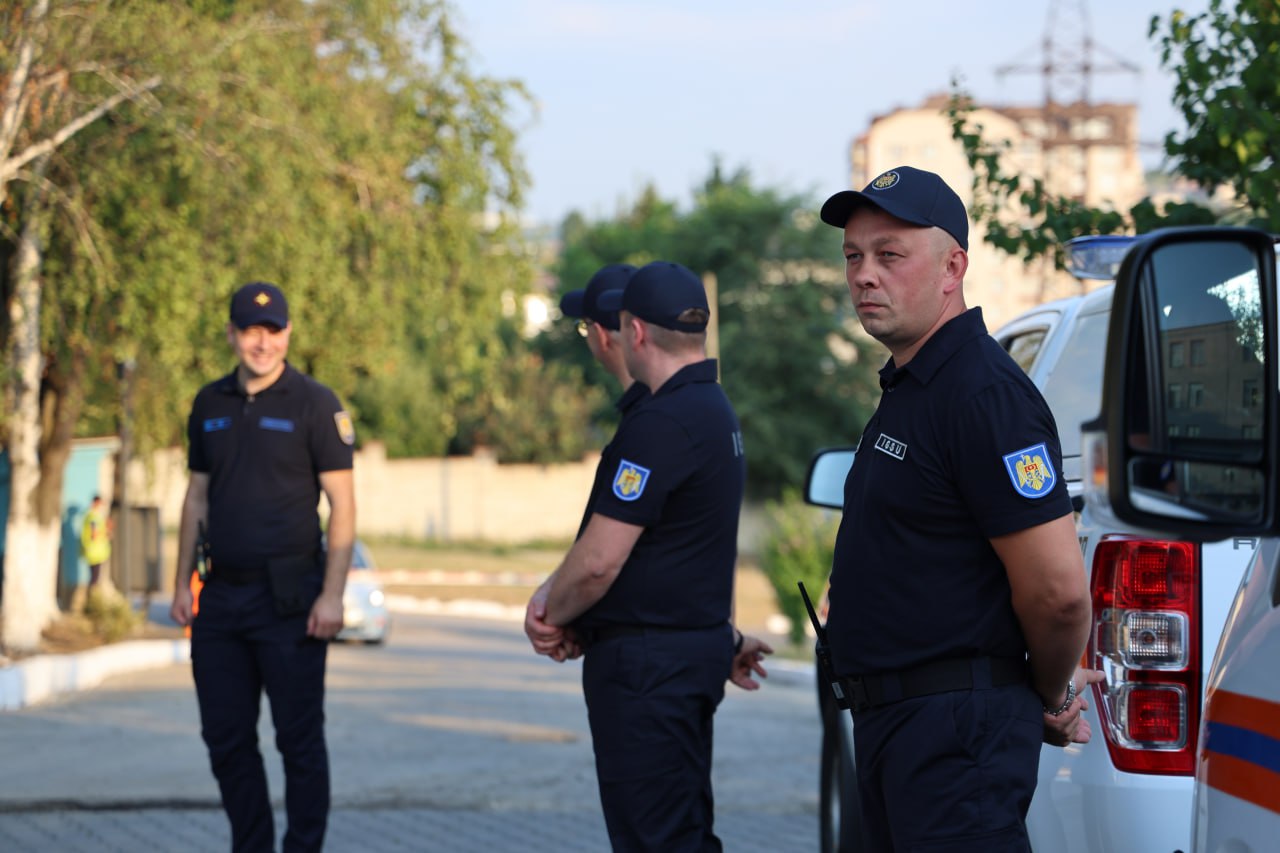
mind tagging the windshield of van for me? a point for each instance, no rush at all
(1074, 389)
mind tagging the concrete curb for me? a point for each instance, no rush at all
(39, 678)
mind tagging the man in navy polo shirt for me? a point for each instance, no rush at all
(958, 603)
(647, 588)
(265, 441)
(604, 339)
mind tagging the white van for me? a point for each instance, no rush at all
(1214, 476)
(1159, 607)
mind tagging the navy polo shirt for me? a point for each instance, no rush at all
(962, 448)
(264, 454)
(675, 467)
(631, 399)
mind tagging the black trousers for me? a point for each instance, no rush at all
(951, 772)
(650, 702)
(239, 648)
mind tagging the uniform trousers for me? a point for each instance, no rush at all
(239, 648)
(650, 699)
(950, 772)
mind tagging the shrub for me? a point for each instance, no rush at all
(112, 616)
(797, 546)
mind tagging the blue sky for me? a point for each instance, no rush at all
(634, 92)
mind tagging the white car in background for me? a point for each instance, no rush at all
(365, 617)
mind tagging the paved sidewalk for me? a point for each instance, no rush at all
(377, 830)
(467, 728)
(43, 677)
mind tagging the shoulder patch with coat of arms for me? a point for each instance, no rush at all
(1030, 471)
(629, 482)
(346, 429)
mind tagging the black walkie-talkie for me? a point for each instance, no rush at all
(823, 653)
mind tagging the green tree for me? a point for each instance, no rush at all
(346, 151)
(797, 547)
(1223, 61)
(1226, 88)
(797, 373)
(62, 76)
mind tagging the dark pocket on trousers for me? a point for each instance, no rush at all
(289, 587)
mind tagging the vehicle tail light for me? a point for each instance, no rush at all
(1146, 608)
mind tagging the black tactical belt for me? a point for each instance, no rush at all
(590, 636)
(237, 576)
(944, 676)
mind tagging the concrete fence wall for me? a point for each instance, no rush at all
(450, 499)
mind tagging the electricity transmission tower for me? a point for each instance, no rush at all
(1069, 58)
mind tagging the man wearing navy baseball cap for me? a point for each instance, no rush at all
(666, 295)
(264, 441)
(600, 328)
(259, 304)
(647, 589)
(958, 603)
(583, 303)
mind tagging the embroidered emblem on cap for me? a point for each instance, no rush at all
(346, 430)
(1030, 472)
(629, 482)
(262, 298)
(885, 181)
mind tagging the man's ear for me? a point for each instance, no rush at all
(957, 264)
(639, 331)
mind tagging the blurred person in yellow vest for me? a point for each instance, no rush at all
(95, 538)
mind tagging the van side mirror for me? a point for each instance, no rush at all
(824, 484)
(1189, 395)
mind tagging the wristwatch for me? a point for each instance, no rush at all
(1071, 697)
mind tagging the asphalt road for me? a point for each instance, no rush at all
(452, 737)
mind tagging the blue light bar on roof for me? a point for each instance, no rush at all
(1097, 257)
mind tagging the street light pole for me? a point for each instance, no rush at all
(712, 287)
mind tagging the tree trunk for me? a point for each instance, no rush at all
(30, 579)
(62, 401)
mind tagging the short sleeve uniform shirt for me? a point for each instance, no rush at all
(962, 448)
(627, 404)
(675, 467)
(264, 454)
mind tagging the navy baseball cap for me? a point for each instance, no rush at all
(585, 302)
(259, 304)
(912, 195)
(659, 293)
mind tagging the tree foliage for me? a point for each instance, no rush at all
(797, 373)
(1228, 92)
(154, 156)
(1224, 62)
(345, 151)
(798, 546)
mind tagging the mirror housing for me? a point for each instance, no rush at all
(824, 482)
(1190, 390)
